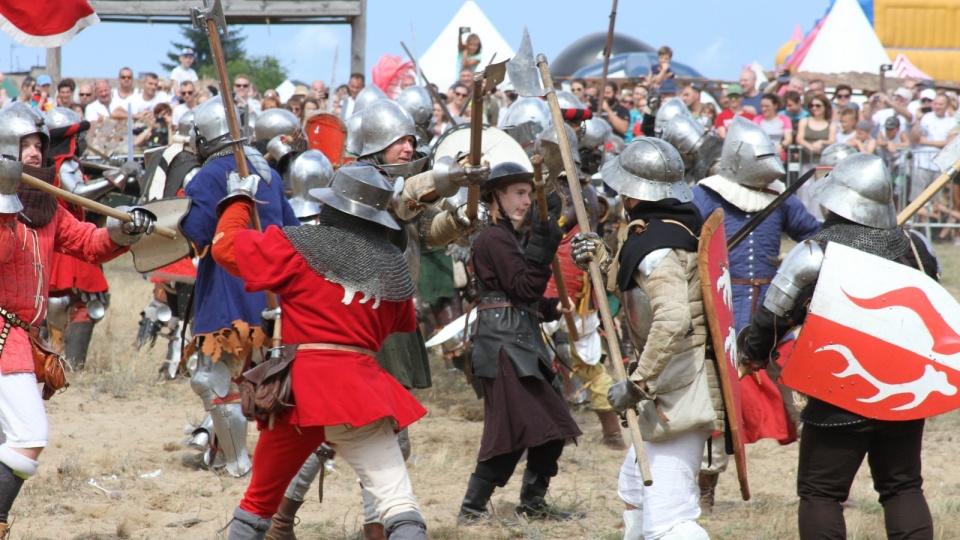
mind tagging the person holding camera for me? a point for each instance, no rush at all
(159, 134)
(468, 55)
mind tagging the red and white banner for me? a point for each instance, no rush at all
(881, 340)
(45, 23)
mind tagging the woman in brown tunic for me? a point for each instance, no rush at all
(523, 409)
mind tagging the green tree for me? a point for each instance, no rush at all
(196, 39)
(264, 71)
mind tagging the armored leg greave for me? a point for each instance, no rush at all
(211, 382)
(76, 341)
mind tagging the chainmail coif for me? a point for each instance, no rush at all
(891, 244)
(355, 254)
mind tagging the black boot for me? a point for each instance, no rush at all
(532, 504)
(473, 510)
(76, 341)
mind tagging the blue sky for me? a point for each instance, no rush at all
(717, 38)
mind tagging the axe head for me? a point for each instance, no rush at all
(200, 16)
(494, 73)
(948, 156)
(524, 75)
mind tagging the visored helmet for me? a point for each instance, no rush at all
(749, 157)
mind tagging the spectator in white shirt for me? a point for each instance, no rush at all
(183, 72)
(930, 134)
(124, 95)
(188, 101)
(99, 109)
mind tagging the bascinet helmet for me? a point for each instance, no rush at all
(273, 122)
(501, 176)
(673, 107)
(384, 122)
(418, 104)
(59, 117)
(360, 191)
(367, 96)
(749, 157)
(858, 188)
(648, 169)
(684, 134)
(835, 153)
(17, 120)
(310, 170)
(354, 136)
(211, 128)
(526, 119)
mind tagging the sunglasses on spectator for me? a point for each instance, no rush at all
(186, 93)
(85, 95)
(843, 96)
(626, 101)
(126, 76)
(816, 106)
(241, 85)
(459, 94)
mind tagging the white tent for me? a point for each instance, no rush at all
(439, 63)
(846, 43)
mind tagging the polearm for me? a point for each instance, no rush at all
(429, 87)
(93, 206)
(948, 159)
(537, 161)
(596, 277)
(211, 19)
(608, 48)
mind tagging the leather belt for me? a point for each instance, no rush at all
(750, 281)
(494, 305)
(335, 347)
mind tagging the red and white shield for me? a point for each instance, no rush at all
(880, 340)
(718, 307)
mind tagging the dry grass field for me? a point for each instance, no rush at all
(117, 427)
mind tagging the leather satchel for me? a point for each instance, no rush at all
(266, 390)
(48, 366)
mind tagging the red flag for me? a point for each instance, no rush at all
(45, 23)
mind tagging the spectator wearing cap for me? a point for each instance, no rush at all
(734, 108)
(930, 134)
(891, 138)
(883, 107)
(862, 139)
(65, 90)
(183, 72)
(45, 88)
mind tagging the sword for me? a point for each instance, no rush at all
(211, 19)
(758, 218)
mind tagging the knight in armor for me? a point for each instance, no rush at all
(857, 199)
(388, 137)
(747, 182)
(674, 383)
(78, 289)
(509, 355)
(167, 173)
(32, 227)
(699, 150)
(346, 269)
(227, 329)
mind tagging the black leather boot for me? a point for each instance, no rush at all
(532, 504)
(473, 510)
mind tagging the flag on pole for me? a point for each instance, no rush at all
(45, 23)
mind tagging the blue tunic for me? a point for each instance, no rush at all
(219, 298)
(757, 256)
